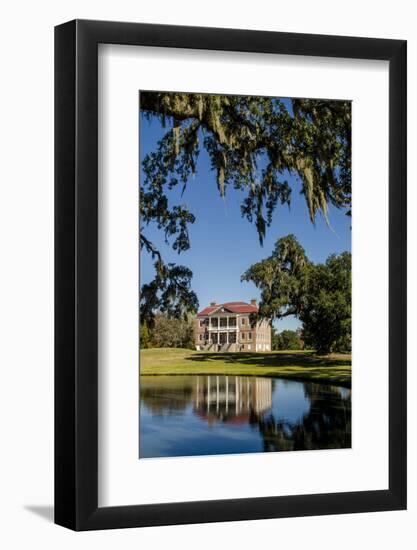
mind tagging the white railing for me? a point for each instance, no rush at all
(220, 329)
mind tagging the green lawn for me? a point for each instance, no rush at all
(296, 365)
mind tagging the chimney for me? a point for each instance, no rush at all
(212, 304)
(253, 302)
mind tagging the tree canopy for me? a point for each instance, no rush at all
(168, 332)
(253, 144)
(318, 294)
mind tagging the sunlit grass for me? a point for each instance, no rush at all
(298, 365)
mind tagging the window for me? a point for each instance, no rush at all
(223, 321)
(232, 321)
(200, 337)
(243, 321)
(214, 322)
(243, 336)
(249, 336)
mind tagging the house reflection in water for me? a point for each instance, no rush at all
(231, 399)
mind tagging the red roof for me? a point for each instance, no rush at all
(234, 307)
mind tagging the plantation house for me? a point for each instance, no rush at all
(227, 327)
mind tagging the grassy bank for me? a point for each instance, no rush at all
(332, 369)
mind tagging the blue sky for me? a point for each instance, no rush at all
(223, 244)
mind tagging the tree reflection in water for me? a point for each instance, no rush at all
(327, 425)
(166, 395)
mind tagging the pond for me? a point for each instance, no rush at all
(208, 415)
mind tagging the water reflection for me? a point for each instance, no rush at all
(231, 398)
(327, 424)
(195, 415)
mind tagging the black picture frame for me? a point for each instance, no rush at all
(76, 272)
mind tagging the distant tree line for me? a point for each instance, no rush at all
(287, 340)
(167, 332)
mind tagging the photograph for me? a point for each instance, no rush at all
(245, 274)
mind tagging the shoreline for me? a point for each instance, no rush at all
(298, 365)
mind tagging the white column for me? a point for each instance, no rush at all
(247, 393)
(208, 393)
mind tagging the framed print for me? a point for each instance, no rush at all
(230, 275)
